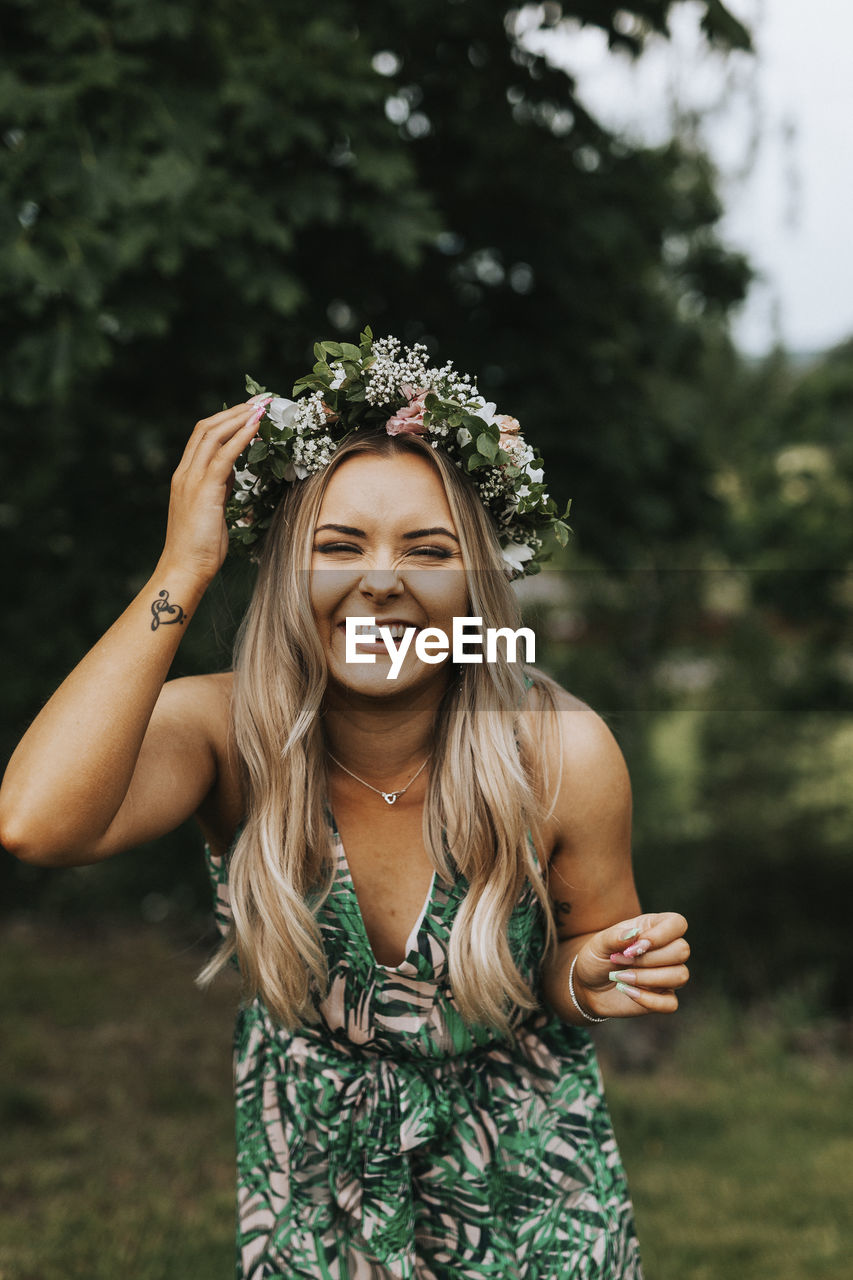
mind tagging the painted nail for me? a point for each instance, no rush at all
(632, 933)
(625, 974)
(259, 412)
(637, 949)
(260, 399)
(628, 991)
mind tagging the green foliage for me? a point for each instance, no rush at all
(196, 189)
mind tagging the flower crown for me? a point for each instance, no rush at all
(380, 383)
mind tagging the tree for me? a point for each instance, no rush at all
(195, 191)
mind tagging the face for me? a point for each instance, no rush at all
(385, 546)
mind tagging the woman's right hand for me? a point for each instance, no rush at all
(196, 533)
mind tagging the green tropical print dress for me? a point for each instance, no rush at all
(392, 1140)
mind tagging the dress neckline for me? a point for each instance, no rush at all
(414, 932)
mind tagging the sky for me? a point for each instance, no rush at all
(779, 126)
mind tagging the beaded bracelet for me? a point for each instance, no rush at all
(589, 1017)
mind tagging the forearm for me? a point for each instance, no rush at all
(555, 983)
(71, 771)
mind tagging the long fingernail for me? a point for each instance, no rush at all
(638, 949)
(259, 412)
(625, 974)
(260, 399)
(632, 933)
(628, 991)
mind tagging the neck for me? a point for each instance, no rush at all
(380, 742)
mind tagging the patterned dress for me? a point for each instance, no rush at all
(394, 1140)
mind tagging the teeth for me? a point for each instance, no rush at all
(397, 630)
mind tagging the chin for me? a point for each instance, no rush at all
(373, 681)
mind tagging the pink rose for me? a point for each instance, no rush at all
(410, 419)
(509, 427)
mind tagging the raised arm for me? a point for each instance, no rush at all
(115, 757)
(600, 924)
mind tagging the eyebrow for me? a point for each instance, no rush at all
(415, 533)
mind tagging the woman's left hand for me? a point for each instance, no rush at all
(634, 967)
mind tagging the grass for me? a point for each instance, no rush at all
(739, 1154)
(116, 1123)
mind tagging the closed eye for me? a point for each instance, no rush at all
(438, 553)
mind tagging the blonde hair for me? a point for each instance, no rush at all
(486, 790)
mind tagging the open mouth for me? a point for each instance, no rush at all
(369, 639)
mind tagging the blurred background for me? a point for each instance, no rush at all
(631, 222)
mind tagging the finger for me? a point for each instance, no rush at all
(674, 953)
(650, 1001)
(227, 419)
(635, 938)
(664, 978)
(224, 444)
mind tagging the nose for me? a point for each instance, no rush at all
(378, 584)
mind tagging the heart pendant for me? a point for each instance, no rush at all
(390, 797)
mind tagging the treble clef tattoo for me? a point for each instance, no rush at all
(162, 606)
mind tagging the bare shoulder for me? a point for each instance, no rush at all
(579, 751)
(199, 706)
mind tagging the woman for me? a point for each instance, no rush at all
(391, 839)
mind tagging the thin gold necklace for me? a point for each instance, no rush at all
(390, 797)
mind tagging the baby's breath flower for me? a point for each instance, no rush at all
(395, 387)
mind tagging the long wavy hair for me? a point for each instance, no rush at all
(488, 787)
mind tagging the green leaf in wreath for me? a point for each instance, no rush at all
(486, 446)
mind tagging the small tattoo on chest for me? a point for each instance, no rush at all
(164, 613)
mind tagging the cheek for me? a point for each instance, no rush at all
(446, 599)
(328, 587)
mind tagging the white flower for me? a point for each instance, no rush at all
(485, 409)
(295, 471)
(282, 412)
(463, 436)
(338, 378)
(534, 474)
(515, 556)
